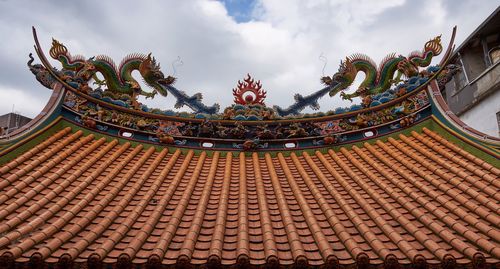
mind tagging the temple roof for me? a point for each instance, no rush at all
(412, 198)
(403, 183)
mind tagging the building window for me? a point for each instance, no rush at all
(495, 55)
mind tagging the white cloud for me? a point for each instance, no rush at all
(436, 11)
(280, 46)
(21, 101)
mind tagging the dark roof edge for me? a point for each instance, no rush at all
(474, 33)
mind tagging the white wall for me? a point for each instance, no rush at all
(482, 116)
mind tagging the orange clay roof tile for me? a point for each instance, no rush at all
(415, 199)
(33, 151)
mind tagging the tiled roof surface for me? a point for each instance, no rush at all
(413, 199)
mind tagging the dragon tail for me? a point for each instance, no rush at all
(431, 49)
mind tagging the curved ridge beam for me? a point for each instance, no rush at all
(41, 55)
(443, 109)
(451, 47)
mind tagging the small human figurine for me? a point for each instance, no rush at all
(330, 139)
(280, 131)
(188, 129)
(296, 130)
(221, 131)
(250, 144)
(263, 132)
(114, 117)
(100, 113)
(361, 120)
(206, 129)
(141, 124)
(239, 131)
(165, 138)
(89, 122)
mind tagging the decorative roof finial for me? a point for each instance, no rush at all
(249, 92)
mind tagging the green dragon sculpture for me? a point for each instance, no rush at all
(119, 81)
(389, 72)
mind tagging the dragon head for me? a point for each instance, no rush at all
(153, 76)
(344, 77)
(150, 70)
(347, 71)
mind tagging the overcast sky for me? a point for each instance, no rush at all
(219, 42)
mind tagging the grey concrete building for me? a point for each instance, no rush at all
(473, 93)
(12, 121)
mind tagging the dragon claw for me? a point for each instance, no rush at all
(152, 94)
(346, 96)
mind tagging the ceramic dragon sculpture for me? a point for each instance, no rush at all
(119, 80)
(301, 102)
(378, 80)
(41, 73)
